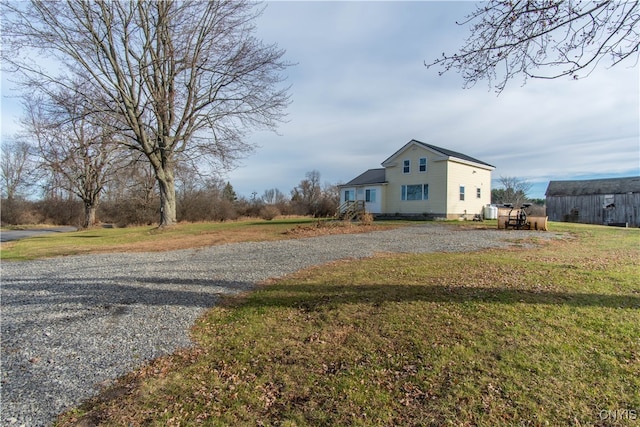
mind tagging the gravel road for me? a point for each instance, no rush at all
(72, 324)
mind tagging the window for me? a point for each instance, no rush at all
(406, 166)
(370, 196)
(349, 195)
(360, 194)
(478, 193)
(422, 165)
(415, 192)
(462, 192)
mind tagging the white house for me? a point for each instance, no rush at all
(423, 180)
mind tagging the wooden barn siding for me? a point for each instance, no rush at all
(590, 211)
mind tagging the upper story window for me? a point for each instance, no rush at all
(462, 192)
(406, 166)
(422, 164)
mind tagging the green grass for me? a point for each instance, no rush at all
(549, 336)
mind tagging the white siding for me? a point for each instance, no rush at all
(375, 203)
(360, 193)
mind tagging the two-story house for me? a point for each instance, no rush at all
(423, 180)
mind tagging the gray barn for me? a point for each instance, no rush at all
(614, 201)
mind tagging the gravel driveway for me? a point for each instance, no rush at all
(71, 324)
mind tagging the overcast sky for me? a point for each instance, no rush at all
(360, 91)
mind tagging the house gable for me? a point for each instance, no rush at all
(441, 154)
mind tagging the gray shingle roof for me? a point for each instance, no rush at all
(594, 186)
(372, 176)
(444, 152)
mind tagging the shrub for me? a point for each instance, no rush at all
(60, 211)
(224, 210)
(19, 211)
(269, 212)
(129, 211)
(366, 218)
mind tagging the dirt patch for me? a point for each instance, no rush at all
(335, 227)
(253, 234)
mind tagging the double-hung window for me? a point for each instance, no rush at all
(478, 193)
(462, 192)
(422, 164)
(415, 192)
(370, 195)
(406, 166)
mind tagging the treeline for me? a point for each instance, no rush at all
(131, 198)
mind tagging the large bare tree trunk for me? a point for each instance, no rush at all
(166, 183)
(162, 161)
(89, 215)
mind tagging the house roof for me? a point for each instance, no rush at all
(594, 186)
(440, 150)
(372, 176)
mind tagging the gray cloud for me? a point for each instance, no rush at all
(361, 91)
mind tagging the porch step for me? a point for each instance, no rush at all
(350, 210)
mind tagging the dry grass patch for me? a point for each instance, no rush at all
(180, 236)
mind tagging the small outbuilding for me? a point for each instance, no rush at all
(612, 201)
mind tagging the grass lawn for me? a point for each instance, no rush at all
(549, 336)
(180, 236)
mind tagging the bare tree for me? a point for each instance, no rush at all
(74, 145)
(15, 168)
(273, 196)
(330, 199)
(310, 198)
(514, 190)
(544, 39)
(130, 197)
(306, 196)
(179, 78)
(17, 177)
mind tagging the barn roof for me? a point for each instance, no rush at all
(372, 176)
(594, 186)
